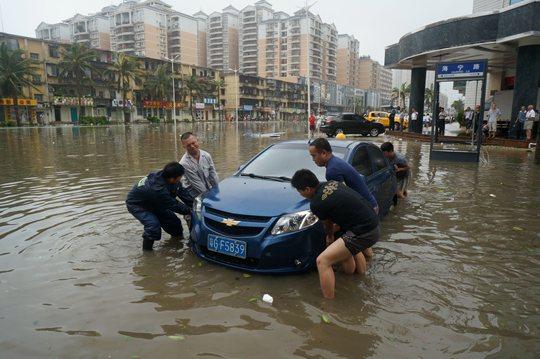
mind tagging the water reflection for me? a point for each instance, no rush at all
(455, 273)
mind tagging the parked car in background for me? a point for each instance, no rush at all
(384, 119)
(351, 123)
(255, 221)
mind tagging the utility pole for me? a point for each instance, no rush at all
(173, 112)
(308, 70)
(236, 93)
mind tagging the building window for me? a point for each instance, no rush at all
(34, 56)
(38, 97)
(53, 51)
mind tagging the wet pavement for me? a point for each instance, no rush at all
(456, 272)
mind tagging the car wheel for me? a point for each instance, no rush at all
(339, 130)
(330, 135)
(364, 134)
(374, 132)
(398, 127)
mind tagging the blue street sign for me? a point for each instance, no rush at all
(460, 70)
(248, 108)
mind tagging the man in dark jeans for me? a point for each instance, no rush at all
(153, 202)
(392, 120)
(350, 223)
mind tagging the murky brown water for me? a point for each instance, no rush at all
(455, 274)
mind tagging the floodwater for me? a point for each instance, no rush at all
(455, 274)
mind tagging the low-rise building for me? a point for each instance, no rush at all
(54, 97)
(262, 98)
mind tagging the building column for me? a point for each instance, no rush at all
(527, 79)
(418, 90)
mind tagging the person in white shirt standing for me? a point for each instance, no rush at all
(414, 118)
(200, 175)
(530, 116)
(493, 116)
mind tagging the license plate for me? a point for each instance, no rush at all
(228, 246)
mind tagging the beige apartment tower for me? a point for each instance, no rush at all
(283, 44)
(347, 55)
(222, 39)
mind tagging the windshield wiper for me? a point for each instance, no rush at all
(272, 178)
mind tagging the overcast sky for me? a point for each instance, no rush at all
(375, 23)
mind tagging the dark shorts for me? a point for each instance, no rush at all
(312, 127)
(356, 243)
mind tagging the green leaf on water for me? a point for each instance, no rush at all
(325, 318)
(176, 337)
(135, 357)
(199, 264)
(516, 228)
(253, 300)
(246, 275)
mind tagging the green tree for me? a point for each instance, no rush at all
(125, 71)
(158, 83)
(77, 66)
(401, 93)
(16, 73)
(458, 105)
(219, 85)
(194, 88)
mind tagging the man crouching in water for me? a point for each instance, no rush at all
(335, 203)
(153, 202)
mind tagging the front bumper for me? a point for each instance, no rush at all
(266, 254)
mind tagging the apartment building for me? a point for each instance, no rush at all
(202, 20)
(373, 76)
(492, 5)
(182, 38)
(140, 28)
(222, 39)
(60, 32)
(92, 30)
(250, 18)
(347, 54)
(283, 45)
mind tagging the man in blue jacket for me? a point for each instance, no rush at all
(341, 171)
(153, 202)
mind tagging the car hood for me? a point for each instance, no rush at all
(256, 197)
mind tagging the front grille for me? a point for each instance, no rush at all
(238, 217)
(247, 262)
(237, 231)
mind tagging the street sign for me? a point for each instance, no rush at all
(461, 70)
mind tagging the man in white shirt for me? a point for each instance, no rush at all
(414, 117)
(493, 116)
(200, 175)
(530, 116)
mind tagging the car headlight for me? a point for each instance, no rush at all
(294, 222)
(197, 206)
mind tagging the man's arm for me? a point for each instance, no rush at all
(164, 200)
(329, 230)
(366, 193)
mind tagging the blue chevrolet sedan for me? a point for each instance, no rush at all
(255, 221)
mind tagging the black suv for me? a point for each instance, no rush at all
(351, 123)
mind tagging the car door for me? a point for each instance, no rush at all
(362, 126)
(361, 162)
(347, 124)
(383, 179)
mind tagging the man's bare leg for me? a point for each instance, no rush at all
(334, 253)
(349, 265)
(361, 265)
(368, 253)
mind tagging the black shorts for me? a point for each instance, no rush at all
(356, 243)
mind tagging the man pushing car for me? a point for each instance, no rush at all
(339, 206)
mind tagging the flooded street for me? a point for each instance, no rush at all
(456, 272)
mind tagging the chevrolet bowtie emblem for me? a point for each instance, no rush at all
(229, 222)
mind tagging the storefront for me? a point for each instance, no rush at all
(26, 109)
(65, 108)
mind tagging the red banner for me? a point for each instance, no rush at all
(161, 104)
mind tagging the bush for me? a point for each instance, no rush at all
(153, 119)
(461, 118)
(7, 123)
(97, 120)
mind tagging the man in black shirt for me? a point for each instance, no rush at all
(153, 202)
(339, 206)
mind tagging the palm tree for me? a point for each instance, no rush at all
(158, 83)
(219, 84)
(125, 70)
(194, 88)
(404, 92)
(16, 73)
(76, 65)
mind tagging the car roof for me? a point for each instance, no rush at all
(333, 142)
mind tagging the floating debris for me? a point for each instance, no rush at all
(267, 298)
(325, 319)
(246, 275)
(253, 300)
(176, 337)
(492, 195)
(516, 228)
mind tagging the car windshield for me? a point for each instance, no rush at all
(283, 161)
